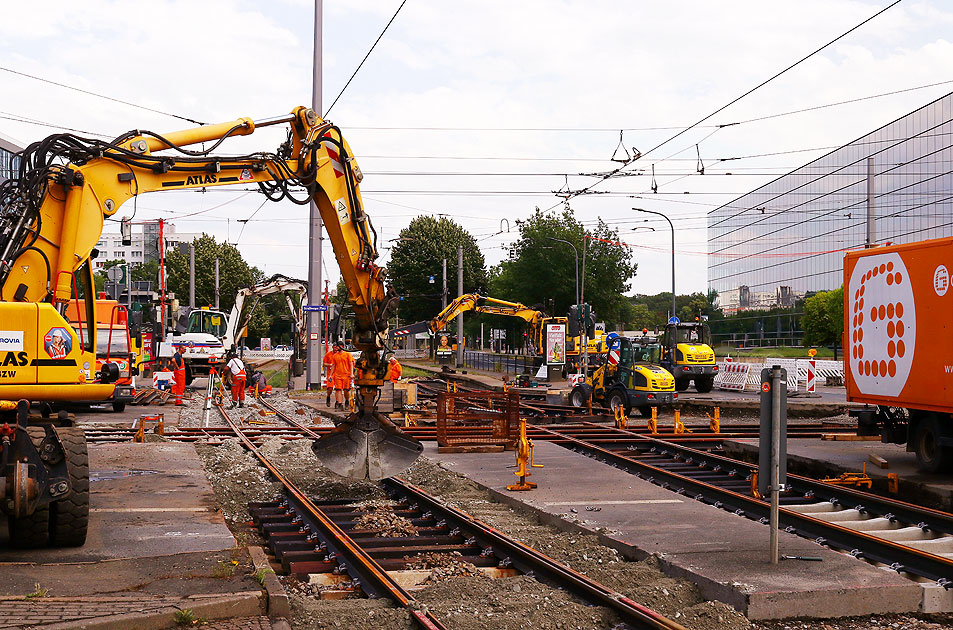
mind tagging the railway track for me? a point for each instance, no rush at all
(907, 538)
(329, 538)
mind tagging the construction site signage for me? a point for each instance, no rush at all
(555, 344)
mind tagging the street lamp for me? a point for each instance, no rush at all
(673, 250)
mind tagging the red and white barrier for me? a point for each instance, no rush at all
(811, 376)
(732, 376)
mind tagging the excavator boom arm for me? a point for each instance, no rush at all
(52, 214)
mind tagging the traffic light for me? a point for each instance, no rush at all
(582, 316)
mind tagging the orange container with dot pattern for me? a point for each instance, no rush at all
(898, 326)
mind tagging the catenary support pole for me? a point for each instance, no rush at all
(216, 285)
(443, 299)
(192, 276)
(316, 236)
(871, 205)
(460, 338)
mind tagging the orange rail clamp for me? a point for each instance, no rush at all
(524, 461)
(653, 422)
(714, 422)
(679, 425)
(893, 483)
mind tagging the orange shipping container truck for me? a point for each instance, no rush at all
(898, 340)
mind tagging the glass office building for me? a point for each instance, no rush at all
(8, 162)
(775, 244)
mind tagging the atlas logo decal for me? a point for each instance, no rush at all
(16, 359)
(195, 180)
(883, 324)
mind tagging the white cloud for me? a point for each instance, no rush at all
(536, 63)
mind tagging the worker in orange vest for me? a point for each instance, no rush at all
(394, 370)
(178, 374)
(328, 363)
(341, 374)
(237, 369)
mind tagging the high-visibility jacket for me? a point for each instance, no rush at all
(343, 369)
(394, 371)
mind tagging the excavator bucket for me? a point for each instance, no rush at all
(367, 446)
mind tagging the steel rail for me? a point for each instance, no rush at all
(530, 561)
(896, 556)
(812, 489)
(375, 581)
(526, 559)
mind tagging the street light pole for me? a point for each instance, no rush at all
(673, 250)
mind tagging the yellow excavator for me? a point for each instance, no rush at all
(537, 320)
(51, 217)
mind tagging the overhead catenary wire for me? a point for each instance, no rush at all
(102, 96)
(356, 70)
(747, 93)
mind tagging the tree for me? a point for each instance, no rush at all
(418, 255)
(823, 319)
(542, 269)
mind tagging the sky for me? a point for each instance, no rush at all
(481, 111)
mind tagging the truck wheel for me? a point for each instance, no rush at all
(931, 455)
(704, 384)
(69, 517)
(119, 406)
(579, 395)
(31, 531)
(618, 398)
(681, 384)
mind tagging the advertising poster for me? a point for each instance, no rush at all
(555, 344)
(444, 348)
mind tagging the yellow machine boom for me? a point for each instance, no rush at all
(52, 215)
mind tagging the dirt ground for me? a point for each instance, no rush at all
(477, 602)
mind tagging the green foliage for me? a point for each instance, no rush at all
(261, 573)
(38, 591)
(224, 569)
(418, 255)
(186, 617)
(234, 273)
(541, 269)
(824, 318)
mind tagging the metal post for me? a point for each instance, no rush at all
(775, 458)
(128, 287)
(443, 299)
(216, 284)
(582, 300)
(192, 275)
(316, 235)
(162, 277)
(460, 316)
(871, 208)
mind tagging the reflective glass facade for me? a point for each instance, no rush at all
(8, 162)
(774, 244)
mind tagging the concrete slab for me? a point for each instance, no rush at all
(830, 458)
(725, 555)
(146, 500)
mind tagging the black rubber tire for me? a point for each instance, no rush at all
(930, 455)
(119, 406)
(31, 531)
(69, 517)
(617, 397)
(704, 384)
(578, 396)
(681, 384)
